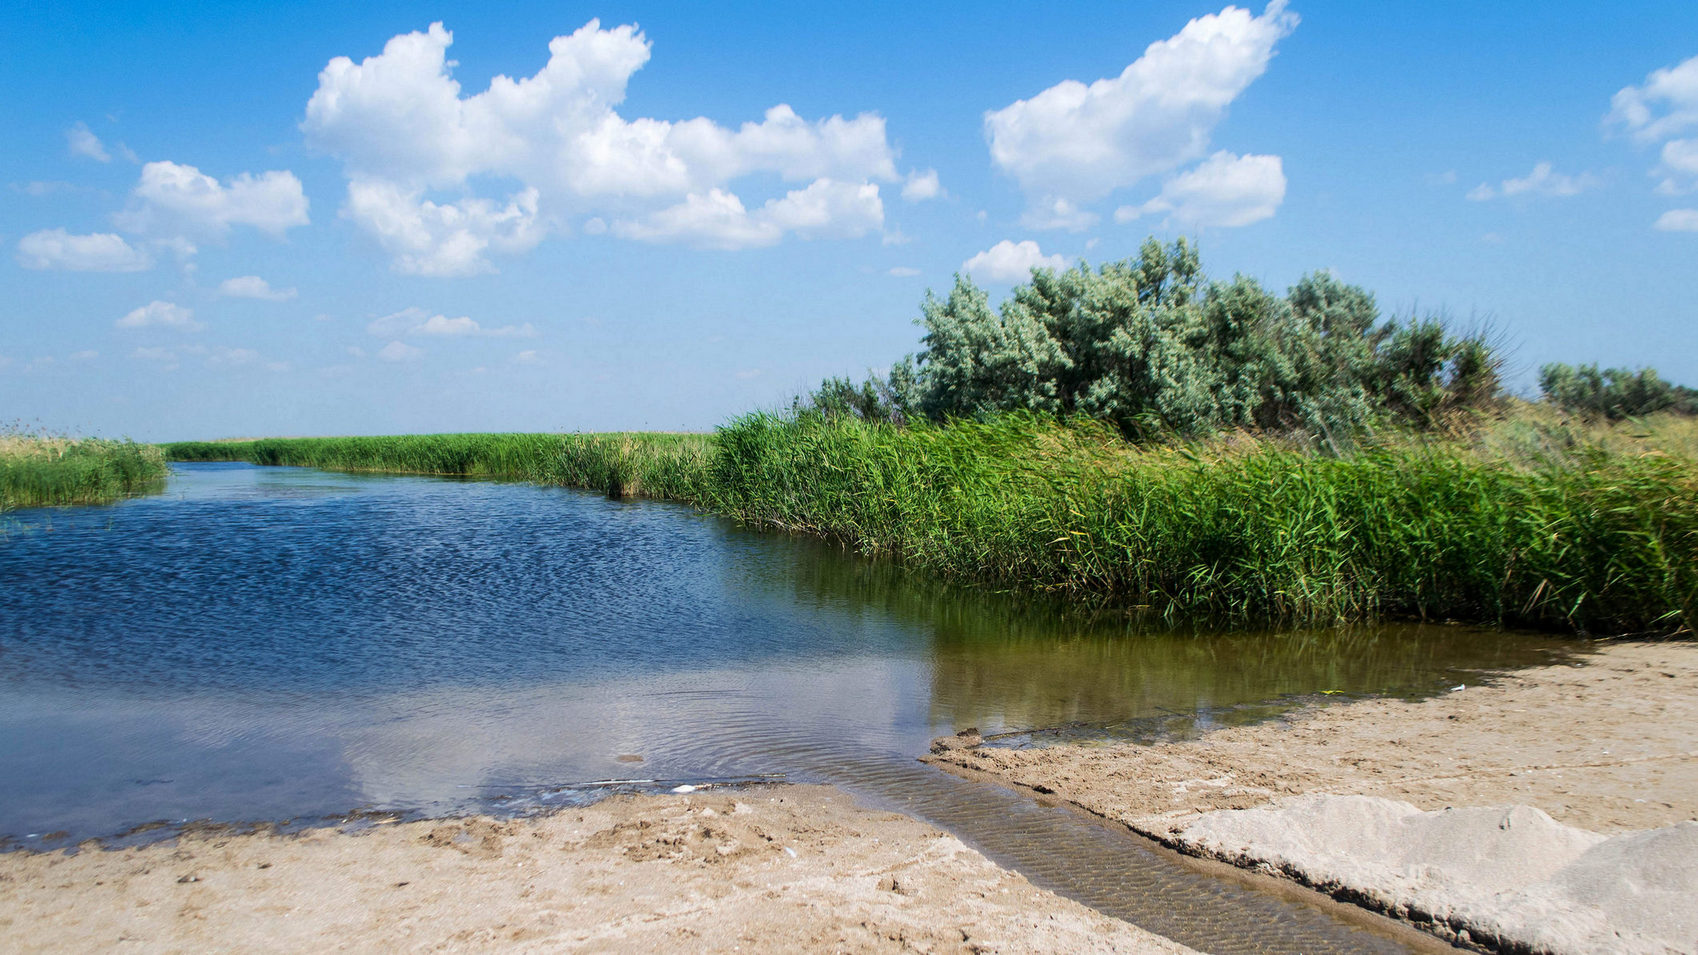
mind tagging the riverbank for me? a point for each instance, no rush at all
(1375, 800)
(757, 870)
(1513, 526)
(47, 471)
(660, 465)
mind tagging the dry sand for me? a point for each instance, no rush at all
(760, 870)
(1370, 800)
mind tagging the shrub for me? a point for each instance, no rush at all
(1613, 393)
(1151, 346)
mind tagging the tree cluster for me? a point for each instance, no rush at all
(1613, 393)
(1152, 346)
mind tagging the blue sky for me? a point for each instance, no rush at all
(246, 218)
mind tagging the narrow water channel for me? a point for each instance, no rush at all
(282, 643)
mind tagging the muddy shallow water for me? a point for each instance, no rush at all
(274, 643)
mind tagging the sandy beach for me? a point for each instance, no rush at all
(758, 870)
(1553, 808)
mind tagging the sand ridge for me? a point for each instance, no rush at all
(761, 870)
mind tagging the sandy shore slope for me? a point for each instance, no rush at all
(1600, 748)
(764, 870)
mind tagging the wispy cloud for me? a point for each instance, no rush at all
(1542, 181)
(161, 314)
(82, 142)
(416, 321)
(252, 286)
(98, 252)
(398, 351)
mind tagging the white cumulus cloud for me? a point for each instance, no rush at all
(1665, 105)
(1009, 261)
(1678, 220)
(1222, 191)
(252, 286)
(446, 239)
(920, 186)
(173, 199)
(715, 219)
(99, 252)
(1542, 181)
(162, 314)
(823, 210)
(83, 142)
(402, 127)
(1079, 142)
(1679, 167)
(1662, 109)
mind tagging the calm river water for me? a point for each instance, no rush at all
(285, 643)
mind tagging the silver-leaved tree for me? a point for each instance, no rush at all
(1152, 346)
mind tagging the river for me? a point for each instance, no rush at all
(263, 644)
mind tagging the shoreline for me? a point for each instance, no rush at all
(760, 869)
(1381, 802)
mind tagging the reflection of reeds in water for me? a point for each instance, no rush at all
(1015, 661)
(44, 470)
(1039, 682)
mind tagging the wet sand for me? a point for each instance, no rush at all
(1604, 747)
(768, 869)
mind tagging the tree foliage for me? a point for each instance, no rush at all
(1154, 347)
(1613, 393)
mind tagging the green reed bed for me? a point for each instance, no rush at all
(623, 465)
(41, 471)
(1530, 523)
(1589, 538)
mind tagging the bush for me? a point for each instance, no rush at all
(1613, 393)
(1150, 346)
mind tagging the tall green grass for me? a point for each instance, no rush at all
(668, 466)
(42, 471)
(1592, 539)
(1531, 522)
